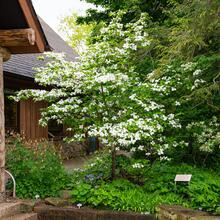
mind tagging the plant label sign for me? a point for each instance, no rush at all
(183, 178)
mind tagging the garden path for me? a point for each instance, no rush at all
(75, 163)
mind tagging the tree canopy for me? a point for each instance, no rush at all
(144, 84)
(156, 9)
(75, 34)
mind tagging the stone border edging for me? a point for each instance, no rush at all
(175, 212)
(71, 213)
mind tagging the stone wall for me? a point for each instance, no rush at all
(166, 212)
(71, 213)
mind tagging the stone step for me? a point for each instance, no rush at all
(8, 209)
(22, 216)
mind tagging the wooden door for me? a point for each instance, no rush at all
(29, 120)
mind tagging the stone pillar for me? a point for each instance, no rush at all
(4, 55)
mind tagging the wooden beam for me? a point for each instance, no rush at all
(5, 53)
(17, 37)
(33, 22)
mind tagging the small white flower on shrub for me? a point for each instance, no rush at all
(138, 165)
(164, 158)
(133, 149)
(177, 103)
(197, 72)
(141, 148)
(37, 197)
(79, 205)
(92, 164)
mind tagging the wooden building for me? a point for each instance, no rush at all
(23, 117)
(20, 33)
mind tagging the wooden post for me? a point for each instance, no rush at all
(4, 55)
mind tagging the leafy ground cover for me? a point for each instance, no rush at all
(140, 187)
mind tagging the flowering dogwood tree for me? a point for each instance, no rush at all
(102, 94)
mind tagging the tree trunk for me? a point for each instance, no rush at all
(113, 171)
(2, 133)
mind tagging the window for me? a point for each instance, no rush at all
(11, 113)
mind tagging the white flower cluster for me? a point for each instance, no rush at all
(188, 66)
(207, 134)
(141, 148)
(123, 135)
(197, 72)
(197, 83)
(150, 105)
(138, 165)
(105, 78)
(165, 84)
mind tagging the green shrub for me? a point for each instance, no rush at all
(81, 193)
(121, 195)
(128, 170)
(146, 187)
(37, 169)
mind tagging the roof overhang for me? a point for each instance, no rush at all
(20, 15)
